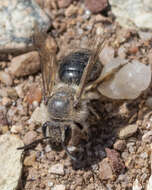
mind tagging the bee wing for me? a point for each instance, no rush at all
(98, 46)
(48, 61)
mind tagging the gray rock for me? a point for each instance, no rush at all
(57, 169)
(127, 131)
(17, 23)
(10, 162)
(132, 14)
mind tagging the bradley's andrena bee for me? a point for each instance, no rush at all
(69, 87)
(65, 86)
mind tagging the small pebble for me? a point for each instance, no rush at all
(35, 104)
(4, 129)
(71, 10)
(106, 55)
(5, 78)
(105, 170)
(120, 145)
(39, 115)
(127, 131)
(29, 137)
(136, 185)
(48, 148)
(34, 94)
(144, 155)
(64, 3)
(6, 101)
(25, 64)
(50, 183)
(115, 160)
(57, 169)
(147, 137)
(30, 160)
(16, 129)
(96, 6)
(149, 184)
(58, 187)
(19, 90)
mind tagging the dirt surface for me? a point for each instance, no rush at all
(107, 162)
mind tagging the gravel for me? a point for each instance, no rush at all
(22, 112)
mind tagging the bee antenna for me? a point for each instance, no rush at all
(31, 145)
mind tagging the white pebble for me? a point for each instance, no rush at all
(149, 184)
(128, 82)
(57, 169)
(136, 185)
(59, 187)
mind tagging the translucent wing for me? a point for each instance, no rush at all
(48, 61)
(98, 46)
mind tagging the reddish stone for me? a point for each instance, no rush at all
(96, 6)
(34, 94)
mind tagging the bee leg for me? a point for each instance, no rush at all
(64, 135)
(93, 112)
(44, 127)
(34, 143)
(31, 145)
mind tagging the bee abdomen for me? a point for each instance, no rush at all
(72, 67)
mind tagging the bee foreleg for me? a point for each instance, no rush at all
(44, 128)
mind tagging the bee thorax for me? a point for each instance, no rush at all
(59, 105)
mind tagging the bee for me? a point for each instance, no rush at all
(69, 86)
(65, 84)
